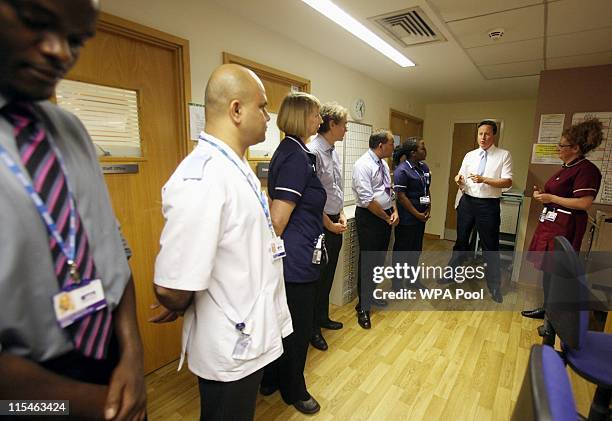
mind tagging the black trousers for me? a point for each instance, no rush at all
(373, 234)
(408, 245)
(484, 214)
(287, 372)
(229, 401)
(333, 243)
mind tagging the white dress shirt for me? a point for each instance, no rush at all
(369, 175)
(329, 171)
(499, 165)
(216, 242)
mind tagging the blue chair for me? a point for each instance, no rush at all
(546, 393)
(588, 353)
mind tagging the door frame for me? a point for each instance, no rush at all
(269, 73)
(400, 114)
(180, 49)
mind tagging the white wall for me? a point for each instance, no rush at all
(518, 118)
(211, 30)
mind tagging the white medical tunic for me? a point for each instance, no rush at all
(216, 242)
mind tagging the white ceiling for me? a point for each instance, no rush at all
(469, 66)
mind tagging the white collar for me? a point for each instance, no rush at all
(300, 143)
(374, 156)
(223, 146)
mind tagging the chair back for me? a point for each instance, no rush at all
(546, 393)
(567, 295)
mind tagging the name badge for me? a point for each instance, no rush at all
(551, 216)
(277, 248)
(317, 253)
(543, 215)
(78, 302)
(425, 200)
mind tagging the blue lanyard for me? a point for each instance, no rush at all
(70, 249)
(422, 178)
(263, 200)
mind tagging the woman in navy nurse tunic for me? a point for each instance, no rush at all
(567, 195)
(412, 180)
(298, 199)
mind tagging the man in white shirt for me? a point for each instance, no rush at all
(374, 216)
(483, 175)
(216, 261)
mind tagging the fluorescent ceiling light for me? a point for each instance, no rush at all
(333, 12)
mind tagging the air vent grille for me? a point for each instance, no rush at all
(409, 27)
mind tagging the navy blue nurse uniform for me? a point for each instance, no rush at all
(413, 179)
(292, 177)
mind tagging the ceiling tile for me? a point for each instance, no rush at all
(518, 25)
(451, 10)
(524, 68)
(595, 41)
(579, 61)
(509, 52)
(566, 16)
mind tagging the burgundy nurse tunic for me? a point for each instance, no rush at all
(578, 178)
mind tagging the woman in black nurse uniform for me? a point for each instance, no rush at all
(298, 199)
(567, 195)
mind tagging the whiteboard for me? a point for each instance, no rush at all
(264, 150)
(355, 144)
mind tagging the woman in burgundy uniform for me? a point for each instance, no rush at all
(567, 195)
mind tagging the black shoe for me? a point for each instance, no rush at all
(379, 303)
(536, 313)
(496, 295)
(318, 341)
(331, 325)
(309, 406)
(267, 390)
(363, 318)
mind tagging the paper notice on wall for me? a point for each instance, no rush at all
(545, 153)
(551, 127)
(602, 156)
(196, 120)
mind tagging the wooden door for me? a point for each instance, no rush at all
(405, 125)
(277, 83)
(464, 140)
(155, 65)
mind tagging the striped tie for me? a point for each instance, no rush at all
(385, 177)
(91, 334)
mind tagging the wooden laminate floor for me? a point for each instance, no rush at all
(412, 365)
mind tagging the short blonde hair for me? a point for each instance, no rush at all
(294, 111)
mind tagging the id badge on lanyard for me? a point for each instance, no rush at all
(78, 301)
(277, 245)
(79, 298)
